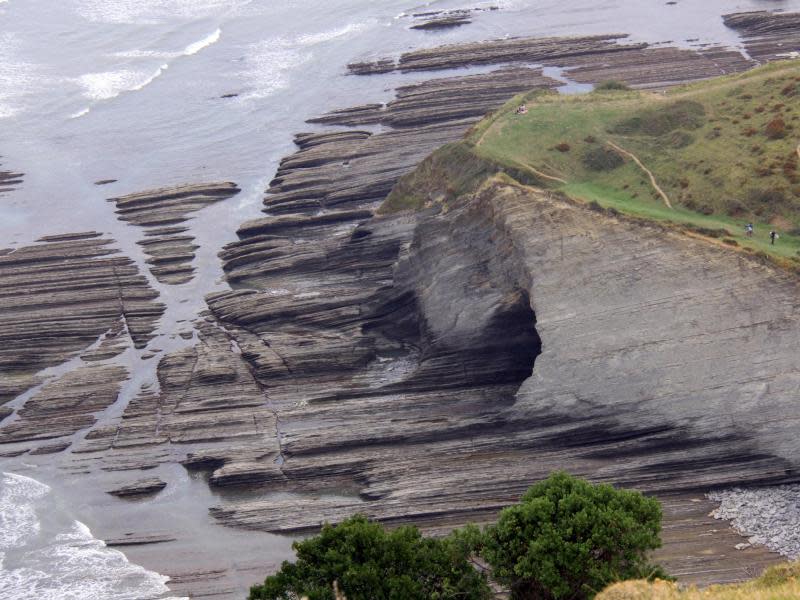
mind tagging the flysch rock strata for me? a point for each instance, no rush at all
(384, 364)
(446, 19)
(63, 407)
(9, 180)
(59, 297)
(659, 365)
(526, 50)
(767, 36)
(162, 213)
(444, 99)
(588, 59)
(208, 411)
(137, 489)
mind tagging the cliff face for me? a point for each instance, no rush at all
(521, 333)
(423, 367)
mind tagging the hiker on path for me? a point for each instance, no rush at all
(748, 230)
(773, 235)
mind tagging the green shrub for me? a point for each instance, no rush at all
(773, 197)
(370, 563)
(684, 114)
(568, 539)
(600, 158)
(678, 139)
(775, 129)
(612, 85)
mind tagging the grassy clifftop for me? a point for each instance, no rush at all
(777, 583)
(709, 156)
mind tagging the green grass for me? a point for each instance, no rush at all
(705, 143)
(786, 246)
(781, 582)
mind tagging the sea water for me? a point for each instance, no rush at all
(45, 556)
(159, 92)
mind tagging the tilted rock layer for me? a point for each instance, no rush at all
(163, 213)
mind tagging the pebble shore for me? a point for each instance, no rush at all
(767, 516)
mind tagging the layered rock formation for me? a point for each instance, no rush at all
(767, 36)
(163, 213)
(59, 297)
(446, 99)
(137, 489)
(425, 367)
(590, 59)
(64, 406)
(9, 180)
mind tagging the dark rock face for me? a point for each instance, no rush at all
(447, 22)
(138, 489)
(65, 406)
(423, 367)
(447, 99)
(638, 386)
(58, 297)
(591, 59)
(162, 212)
(768, 36)
(446, 19)
(9, 180)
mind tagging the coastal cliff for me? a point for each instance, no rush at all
(418, 366)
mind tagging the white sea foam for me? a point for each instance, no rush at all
(195, 47)
(269, 63)
(65, 564)
(152, 11)
(311, 39)
(110, 84)
(17, 517)
(17, 77)
(80, 113)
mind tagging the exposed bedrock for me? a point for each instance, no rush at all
(163, 213)
(9, 180)
(59, 297)
(590, 59)
(444, 99)
(662, 367)
(767, 36)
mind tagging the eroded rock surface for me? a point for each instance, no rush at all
(58, 297)
(767, 35)
(163, 213)
(590, 59)
(138, 489)
(63, 407)
(446, 99)
(660, 367)
(9, 180)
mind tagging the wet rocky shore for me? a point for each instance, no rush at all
(419, 368)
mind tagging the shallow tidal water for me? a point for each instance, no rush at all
(135, 90)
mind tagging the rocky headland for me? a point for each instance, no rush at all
(419, 367)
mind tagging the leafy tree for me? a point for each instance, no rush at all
(568, 539)
(370, 563)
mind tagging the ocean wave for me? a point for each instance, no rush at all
(142, 12)
(195, 47)
(17, 77)
(311, 39)
(269, 63)
(17, 517)
(189, 50)
(66, 564)
(110, 84)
